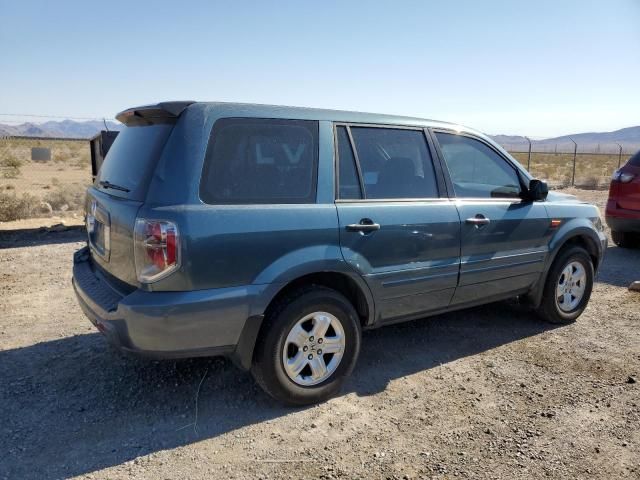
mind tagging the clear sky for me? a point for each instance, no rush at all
(542, 68)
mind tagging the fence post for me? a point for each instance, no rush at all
(619, 155)
(529, 157)
(575, 152)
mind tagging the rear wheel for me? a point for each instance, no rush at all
(308, 346)
(625, 239)
(568, 286)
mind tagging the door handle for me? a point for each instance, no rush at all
(479, 220)
(366, 225)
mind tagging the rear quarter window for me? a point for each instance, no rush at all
(251, 160)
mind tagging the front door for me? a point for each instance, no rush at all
(504, 240)
(395, 230)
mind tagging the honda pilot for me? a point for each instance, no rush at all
(276, 235)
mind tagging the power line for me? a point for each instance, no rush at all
(71, 117)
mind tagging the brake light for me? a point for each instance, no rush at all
(157, 249)
(622, 177)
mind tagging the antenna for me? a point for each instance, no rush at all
(105, 124)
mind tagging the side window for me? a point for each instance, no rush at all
(347, 175)
(252, 160)
(395, 163)
(476, 170)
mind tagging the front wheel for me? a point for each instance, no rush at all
(308, 345)
(568, 286)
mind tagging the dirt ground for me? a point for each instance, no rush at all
(491, 392)
(38, 178)
(46, 188)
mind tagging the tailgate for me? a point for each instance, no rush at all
(110, 224)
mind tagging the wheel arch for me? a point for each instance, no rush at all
(585, 242)
(584, 238)
(349, 284)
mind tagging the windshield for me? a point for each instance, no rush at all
(131, 159)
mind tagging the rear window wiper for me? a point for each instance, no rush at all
(107, 184)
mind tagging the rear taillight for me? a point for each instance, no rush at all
(157, 249)
(622, 177)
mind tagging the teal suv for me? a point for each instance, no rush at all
(275, 235)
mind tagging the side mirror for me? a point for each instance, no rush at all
(538, 190)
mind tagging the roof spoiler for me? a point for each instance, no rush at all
(164, 112)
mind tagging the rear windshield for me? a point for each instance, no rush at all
(131, 159)
(635, 160)
(253, 160)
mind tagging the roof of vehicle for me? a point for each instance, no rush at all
(175, 108)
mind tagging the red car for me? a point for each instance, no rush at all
(623, 206)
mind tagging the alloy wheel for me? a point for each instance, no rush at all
(313, 348)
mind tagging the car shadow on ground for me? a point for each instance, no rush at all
(74, 406)
(34, 237)
(621, 266)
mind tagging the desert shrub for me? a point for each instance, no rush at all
(9, 186)
(14, 207)
(11, 161)
(11, 172)
(10, 166)
(60, 155)
(55, 181)
(83, 160)
(589, 182)
(73, 198)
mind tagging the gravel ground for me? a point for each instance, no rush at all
(486, 393)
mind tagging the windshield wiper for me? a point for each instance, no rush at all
(107, 184)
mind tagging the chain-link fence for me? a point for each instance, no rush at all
(43, 177)
(587, 170)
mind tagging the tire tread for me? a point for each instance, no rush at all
(268, 339)
(548, 309)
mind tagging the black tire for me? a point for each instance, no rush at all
(625, 239)
(549, 308)
(267, 366)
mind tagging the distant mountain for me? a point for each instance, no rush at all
(604, 142)
(64, 129)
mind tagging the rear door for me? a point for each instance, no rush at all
(396, 229)
(504, 239)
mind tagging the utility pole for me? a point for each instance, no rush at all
(529, 157)
(575, 153)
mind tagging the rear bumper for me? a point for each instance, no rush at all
(621, 219)
(623, 224)
(169, 324)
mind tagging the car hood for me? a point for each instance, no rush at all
(561, 197)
